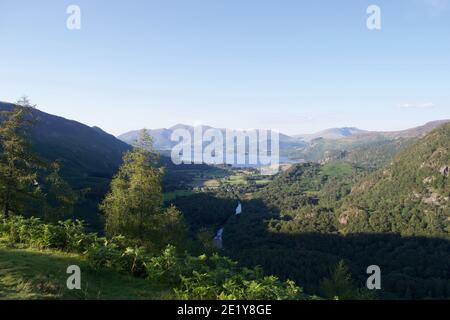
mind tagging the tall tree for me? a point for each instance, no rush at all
(60, 198)
(28, 185)
(24, 101)
(18, 165)
(340, 285)
(136, 195)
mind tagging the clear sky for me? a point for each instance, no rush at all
(297, 66)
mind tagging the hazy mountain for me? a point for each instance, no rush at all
(333, 133)
(372, 149)
(408, 133)
(161, 137)
(309, 147)
(162, 141)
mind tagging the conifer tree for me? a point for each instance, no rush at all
(136, 195)
(28, 184)
(18, 165)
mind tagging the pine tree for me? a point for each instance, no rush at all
(28, 185)
(340, 285)
(60, 198)
(18, 165)
(24, 101)
(136, 195)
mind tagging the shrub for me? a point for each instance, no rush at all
(165, 268)
(104, 255)
(68, 235)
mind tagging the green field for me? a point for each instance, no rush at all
(236, 180)
(262, 182)
(32, 274)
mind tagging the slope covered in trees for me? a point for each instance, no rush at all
(397, 218)
(310, 184)
(410, 196)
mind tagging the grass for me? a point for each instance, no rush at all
(236, 180)
(32, 274)
(262, 182)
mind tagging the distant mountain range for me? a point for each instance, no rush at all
(333, 133)
(371, 148)
(162, 136)
(162, 141)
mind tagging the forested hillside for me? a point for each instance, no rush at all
(312, 216)
(410, 196)
(397, 218)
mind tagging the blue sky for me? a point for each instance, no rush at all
(297, 66)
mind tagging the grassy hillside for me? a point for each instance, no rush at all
(34, 274)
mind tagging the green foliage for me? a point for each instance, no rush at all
(28, 184)
(65, 235)
(216, 277)
(371, 152)
(410, 196)
(60, 198)
(201, 277)
(136, 195)
(18, 166)
(340, 285)
(32, 274)
(168, 227)
(310, 184)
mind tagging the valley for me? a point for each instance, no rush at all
(348, 198)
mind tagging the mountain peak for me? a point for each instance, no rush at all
(332, 133)
(180, 126)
